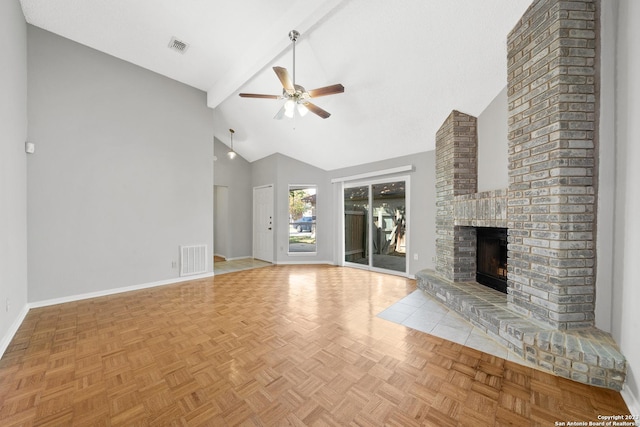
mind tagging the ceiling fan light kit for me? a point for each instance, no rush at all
(296, 96)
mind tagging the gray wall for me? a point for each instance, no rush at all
(422, 213)
(606, 171)
(281, 171)
(626, 292)
(122, 174)
(235, 176)
(294, 172)
(13, 168)
(265, 171)
(493, 143)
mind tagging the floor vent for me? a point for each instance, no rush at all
(193, 260)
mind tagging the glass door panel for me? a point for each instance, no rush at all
(356, 231)
(375, 225)
(388, 226)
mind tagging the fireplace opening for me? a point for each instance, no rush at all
(491, 257)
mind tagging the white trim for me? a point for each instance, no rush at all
(391, 171)
(304, 262)
(263, 186)
(407, 236)
(632, 401)
(389, 271)
(339, 245)
(302, 187)
(239, 257)
(113, 291)
(6, 340)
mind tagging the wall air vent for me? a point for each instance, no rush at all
(178, 45)
(193, 260)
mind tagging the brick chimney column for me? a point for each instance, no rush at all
(551, 199)
(456, 174)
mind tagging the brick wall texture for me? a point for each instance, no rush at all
(551, 196)
(456, 174)
(548, 315)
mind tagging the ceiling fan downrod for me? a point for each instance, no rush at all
(297, 96)
(293, 36)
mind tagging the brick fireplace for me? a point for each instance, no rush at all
(547, 316)
(491, 257)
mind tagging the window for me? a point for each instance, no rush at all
(302, 219)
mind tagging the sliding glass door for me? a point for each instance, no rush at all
(356, 220)
(375, 225)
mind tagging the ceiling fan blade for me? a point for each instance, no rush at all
(258, 95)
(283, 75)
(280, 113)
(317, 110)
(327, 90)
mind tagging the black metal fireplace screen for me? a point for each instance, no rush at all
(491, 257)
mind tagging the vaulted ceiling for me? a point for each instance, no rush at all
(404, 65)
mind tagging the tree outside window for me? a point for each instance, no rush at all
(302, 218)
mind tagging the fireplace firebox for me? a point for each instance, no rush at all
(491, 257)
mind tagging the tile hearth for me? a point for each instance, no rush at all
(588, 355)
(424, 313)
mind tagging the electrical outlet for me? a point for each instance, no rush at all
(415, 257)
(174, 264)
(8, 305)
(433, 259)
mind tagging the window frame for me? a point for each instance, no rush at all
(313, 208)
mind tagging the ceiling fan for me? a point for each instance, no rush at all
(297, 97)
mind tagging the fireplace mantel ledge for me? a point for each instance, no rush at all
(589, 356)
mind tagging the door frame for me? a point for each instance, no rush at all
(369, 182)
(221, 243)
(270, 209)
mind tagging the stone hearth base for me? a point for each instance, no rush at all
(588, 356)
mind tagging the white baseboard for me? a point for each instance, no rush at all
(303, 262)
(234, 258)
(113, 291)
(633, 403)
(6, 340)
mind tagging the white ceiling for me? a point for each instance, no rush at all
(405, 65)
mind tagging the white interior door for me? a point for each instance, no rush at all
(263, 223)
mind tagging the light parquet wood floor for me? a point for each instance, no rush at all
(280, 345)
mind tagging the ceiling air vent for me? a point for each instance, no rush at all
(178, 45)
